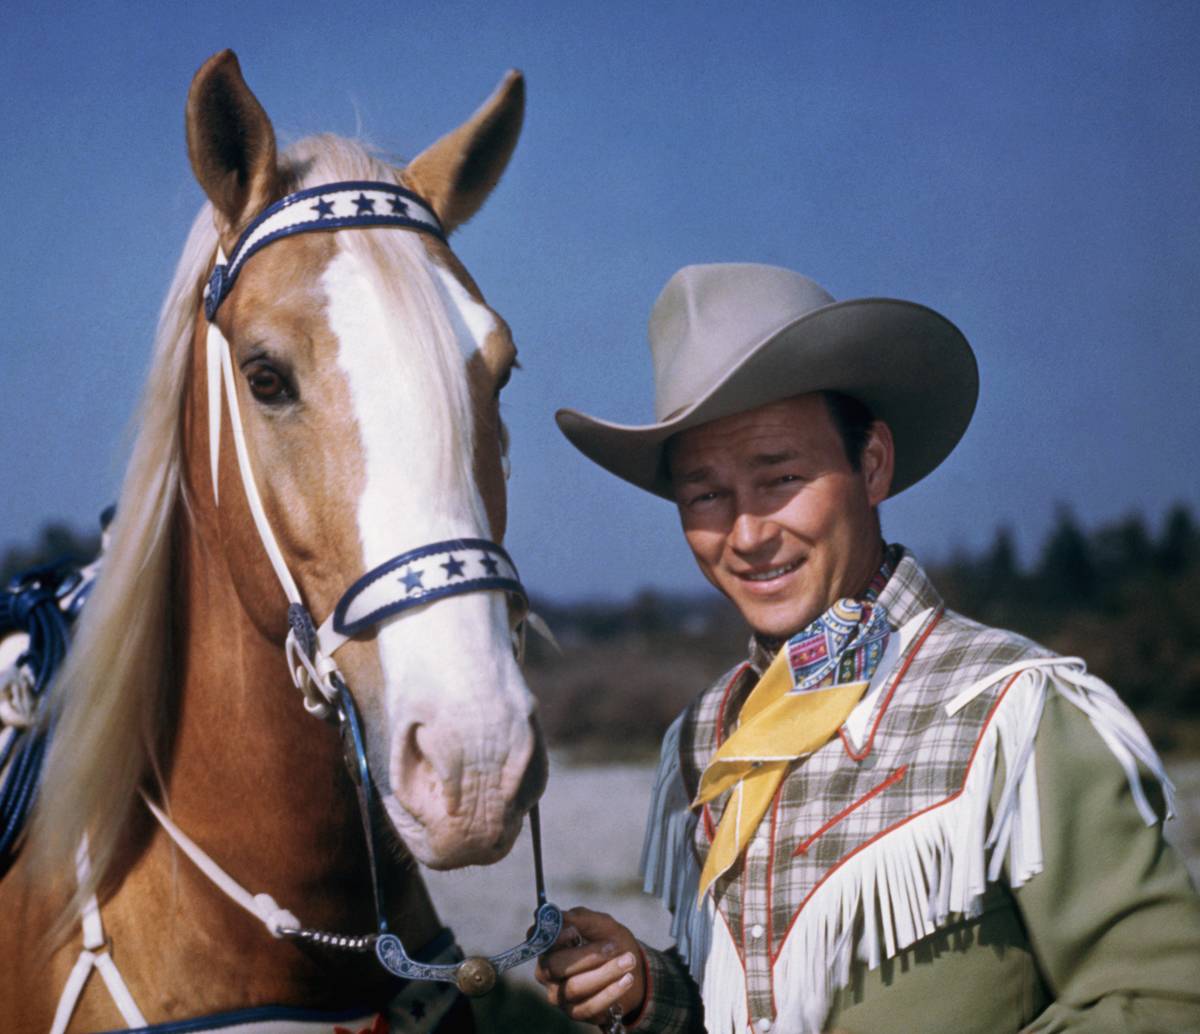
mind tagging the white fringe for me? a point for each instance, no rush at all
(904, 886)
(723, 986)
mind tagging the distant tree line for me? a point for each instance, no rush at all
(1122, 596)
(1124, 599)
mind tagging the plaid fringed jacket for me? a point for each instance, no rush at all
(978, 849)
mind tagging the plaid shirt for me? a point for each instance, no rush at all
(844, 796)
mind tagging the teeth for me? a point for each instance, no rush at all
(775, 572)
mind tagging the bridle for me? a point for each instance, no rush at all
(411, 579)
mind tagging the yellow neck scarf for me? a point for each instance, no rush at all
(799, 703)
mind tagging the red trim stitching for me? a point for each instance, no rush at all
(710, 830)
(916, 647)
(742, 950)
(770, 894)
(903, 822)
(893, 778)
(725, 701)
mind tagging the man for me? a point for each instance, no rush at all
(890, 818)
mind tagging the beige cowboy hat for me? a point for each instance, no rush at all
(730, 337)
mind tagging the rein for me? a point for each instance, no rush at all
(414, 578)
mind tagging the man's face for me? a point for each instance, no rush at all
(776, 516)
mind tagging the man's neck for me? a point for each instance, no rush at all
(860, 584)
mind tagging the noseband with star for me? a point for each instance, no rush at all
(411, 579)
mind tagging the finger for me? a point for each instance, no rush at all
(566, 962)
(554, 994)
(592, 926)
(596, 1007)
(568, 937)
(584, 985)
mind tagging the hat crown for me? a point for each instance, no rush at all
(708, 318)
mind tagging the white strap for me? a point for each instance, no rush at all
(1121, 732)
(312, 676)
(262, 906)
(972, 691)
(72, 992)
(1111, 719)
(329, 640)
(94, 956)
(216, 343)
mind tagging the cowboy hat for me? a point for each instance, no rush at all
(730, 337)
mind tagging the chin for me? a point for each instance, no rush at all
(779, 624)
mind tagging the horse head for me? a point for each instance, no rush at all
(367, 370)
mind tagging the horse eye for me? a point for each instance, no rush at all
(267, 384)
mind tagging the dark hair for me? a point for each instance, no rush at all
(853, 420)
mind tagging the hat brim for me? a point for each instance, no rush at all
(909, 364)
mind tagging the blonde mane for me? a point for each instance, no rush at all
(112, 699)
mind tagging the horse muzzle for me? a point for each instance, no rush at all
(452, 803)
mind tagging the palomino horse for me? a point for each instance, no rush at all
(366, 369)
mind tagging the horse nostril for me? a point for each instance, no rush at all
(432, 764)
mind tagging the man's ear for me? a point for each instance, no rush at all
(231, 144)
(456, 174)
(878, 462)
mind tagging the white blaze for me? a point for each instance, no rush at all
(453, 656)
(472, 321)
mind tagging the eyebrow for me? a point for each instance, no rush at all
(757, 462)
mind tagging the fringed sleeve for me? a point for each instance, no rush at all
(670, 872)
(1112, 918)
(669, 867)
(1010, 823)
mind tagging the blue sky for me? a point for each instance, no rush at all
(1029, 170)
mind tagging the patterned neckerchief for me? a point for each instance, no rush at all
(850, 637)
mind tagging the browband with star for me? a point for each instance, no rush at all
(331, 206)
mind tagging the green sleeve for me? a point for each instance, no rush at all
(1113, 919)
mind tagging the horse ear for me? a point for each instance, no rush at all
(231, 144)
(458, 172)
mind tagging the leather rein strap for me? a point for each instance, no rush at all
(410, 579)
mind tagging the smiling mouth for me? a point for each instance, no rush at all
(771, 573)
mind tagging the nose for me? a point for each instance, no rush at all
(445, 772)
(752, 533)
(431, 765)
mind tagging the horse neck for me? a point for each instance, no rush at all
(253, 777)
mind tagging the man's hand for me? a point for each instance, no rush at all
(595, 963)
